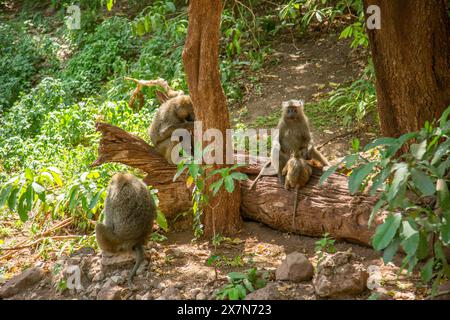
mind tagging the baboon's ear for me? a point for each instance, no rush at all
(162, 97)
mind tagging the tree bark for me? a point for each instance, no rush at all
(201, 64)
(328, 208)
(411, 56)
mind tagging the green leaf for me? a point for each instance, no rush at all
(423, 182)
(358, 175)
(444, 118)
(443, 194)
(37, 188)
(248, 285)
(73, 196)
(400, 178)
(234, 276)
(214, 187)
(242, 292)
(162, 221)
(443, 149)
(327, 173)
(410, 237)
(427, 271)
(95, 199)
(380, 142)
(229, 184)
(378, 181)
(179, 173)
(418, 150)
(233, 294)
(423, 248)
(391, 250)
(4, 194)
(386, 231)
(29, 174)
(56, 173)
(109, 4)
(239, 176)
(375, 209)
(12, 201)
(170, 6)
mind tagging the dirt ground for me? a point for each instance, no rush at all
(177, 267)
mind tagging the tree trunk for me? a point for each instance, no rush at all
(328, 208)
(411, 55)
(201, 64)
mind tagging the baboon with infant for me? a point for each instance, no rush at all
(129, 215)
(294, 137)
(175, 113)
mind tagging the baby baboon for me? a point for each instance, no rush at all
(297, 172)
(175, 113)
(129, 215)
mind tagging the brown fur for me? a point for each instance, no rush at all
(129, 215)
(175, 113)
(297, 172)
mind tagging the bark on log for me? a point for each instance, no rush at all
(328, 208)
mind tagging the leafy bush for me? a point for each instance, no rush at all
(413, 189)
(356, 101)
(240, 284)
(18, 60)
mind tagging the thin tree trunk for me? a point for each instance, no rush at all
(201, 63)
(411, 55)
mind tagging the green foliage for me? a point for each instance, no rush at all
(300, 13)
(101, 55)
(242, 283)
(18, 60)
(197, 176)
(414, 189)
(326, 244)
(354, 102)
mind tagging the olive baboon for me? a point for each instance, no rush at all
(129, 215)
(294, 135)
(175, 113)
(297, 172)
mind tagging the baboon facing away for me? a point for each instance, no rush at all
(297, 172)
(129, 215)
(175, 113)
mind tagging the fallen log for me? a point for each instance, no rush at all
(329, 208)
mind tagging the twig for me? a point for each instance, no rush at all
(41, 239)
(442, 293)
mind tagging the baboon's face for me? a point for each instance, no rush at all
(291, 112)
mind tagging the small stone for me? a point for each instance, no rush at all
(110, 293)
(117, 279)
(21, 282)
(161, 285)
(200, 296)
(269, 292)
(98, 277)
(296, 267)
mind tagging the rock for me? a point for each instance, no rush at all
(144, 296)
(110, 293)
(98, 277)
(200, 296)
(296, 267)
(269, 292)
(118, 279)
(340, 275)
(21, 282)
